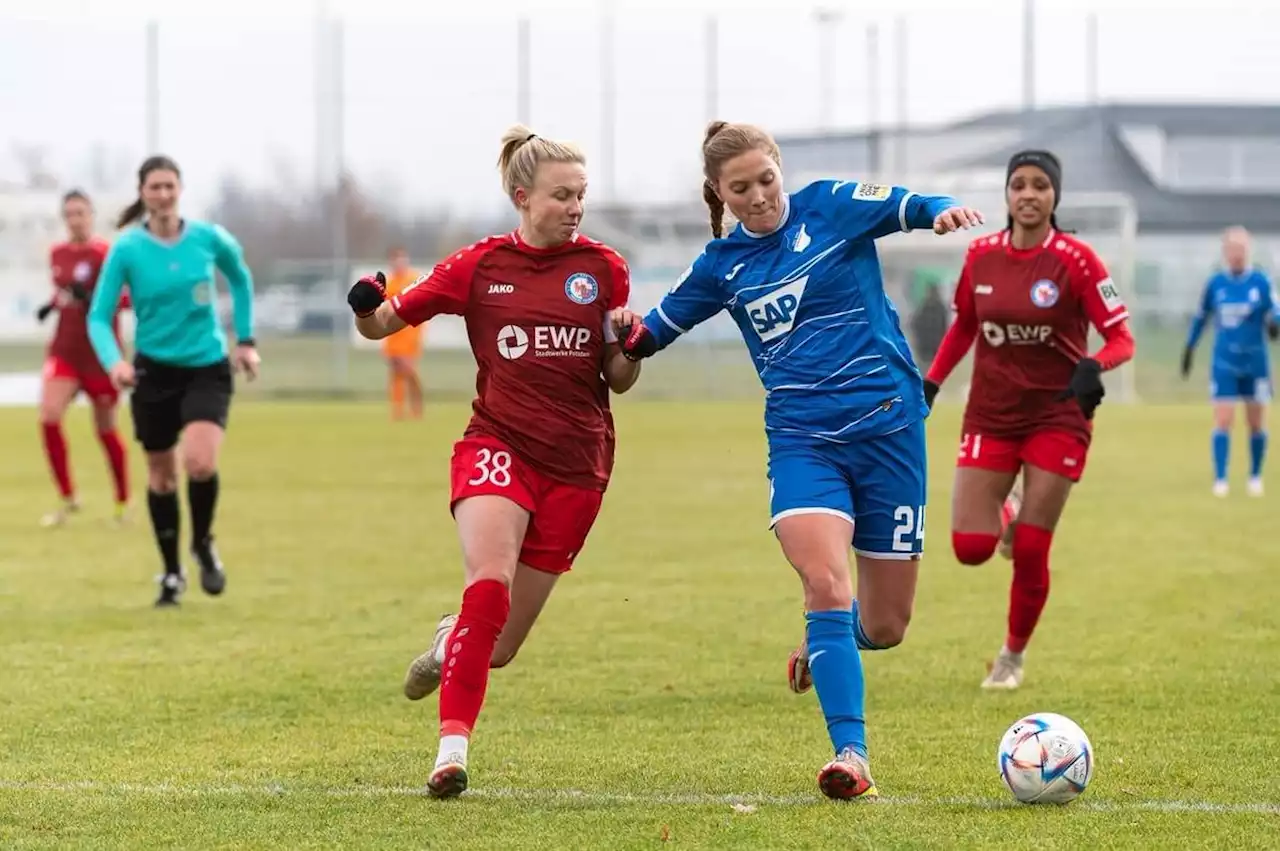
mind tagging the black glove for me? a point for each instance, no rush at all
(368, 294)
(1086, 387)
(930, 392)
(45, 309)
(1273, 330)
(1186, 361)
(638, 342)
(79, 291)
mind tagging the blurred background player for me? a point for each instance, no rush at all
(403, 348)
(529, 474)
(845, 408)
(70, 366)
(181, 375)
(1032, 291)
(1243, 304)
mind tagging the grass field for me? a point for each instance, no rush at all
(649, 708)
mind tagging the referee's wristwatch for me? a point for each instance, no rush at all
(248, 341)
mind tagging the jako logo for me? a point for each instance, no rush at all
(501, 289)
(512, 342)
(774, 314)
(1016, 335)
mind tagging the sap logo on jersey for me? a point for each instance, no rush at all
(774, 314)
(1016, 335)
(549, 341)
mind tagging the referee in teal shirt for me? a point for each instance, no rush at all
(181, 374)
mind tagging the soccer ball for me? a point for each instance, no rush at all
(1045, 759)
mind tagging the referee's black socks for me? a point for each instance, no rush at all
(202, 496)
(165, 520)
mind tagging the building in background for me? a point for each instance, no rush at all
(1188, 170)
(1152, 185)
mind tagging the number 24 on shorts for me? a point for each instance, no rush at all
(492, 467)
(910, 528)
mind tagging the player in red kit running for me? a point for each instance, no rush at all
(530, 471)
(71, 367)
(1028, 296)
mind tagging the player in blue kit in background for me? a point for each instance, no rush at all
(1243, 305)
(181, 375)
(845, 406)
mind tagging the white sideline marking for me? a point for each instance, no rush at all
(570, 796)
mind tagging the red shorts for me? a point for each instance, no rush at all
(562, 515)
(1059, 452)
(96, 385)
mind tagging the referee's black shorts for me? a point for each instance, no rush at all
(166, 398)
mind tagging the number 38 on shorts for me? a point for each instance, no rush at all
(561, 515)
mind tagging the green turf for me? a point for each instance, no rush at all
(272, 718)
(317, 366)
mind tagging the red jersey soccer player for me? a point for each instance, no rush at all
(1028, 296)
(71, 366)
(529, 473)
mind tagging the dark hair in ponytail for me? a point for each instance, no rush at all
(723, 142)
(136, 210)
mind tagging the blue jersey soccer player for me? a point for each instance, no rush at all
(181, 375)
(845, 405)
(1244, 308)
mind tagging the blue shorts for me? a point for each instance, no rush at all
(1229, 386)
(878, 485)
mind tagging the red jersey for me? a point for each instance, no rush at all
(76, 263)
(1030, 311)
(535, 320)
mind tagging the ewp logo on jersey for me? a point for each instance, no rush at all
(549, 341)
(774, 314)
(512, 342)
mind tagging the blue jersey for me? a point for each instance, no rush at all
(810, 303)
(1241, 307)
(175, 298)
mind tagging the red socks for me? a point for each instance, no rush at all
(55, 449)
(485, 607)
(973, 547)
(114, 448)
(1030, 588)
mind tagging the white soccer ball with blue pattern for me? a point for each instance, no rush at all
(1045, 759)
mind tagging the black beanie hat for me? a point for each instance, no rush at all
(1043, 160)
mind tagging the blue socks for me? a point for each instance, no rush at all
(836, 669)
(1257, 453)
(860, 635)
(1221, 449)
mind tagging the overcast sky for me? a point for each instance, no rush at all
(429, 90)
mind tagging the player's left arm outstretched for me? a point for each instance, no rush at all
(1105, 309)
(875, 211)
